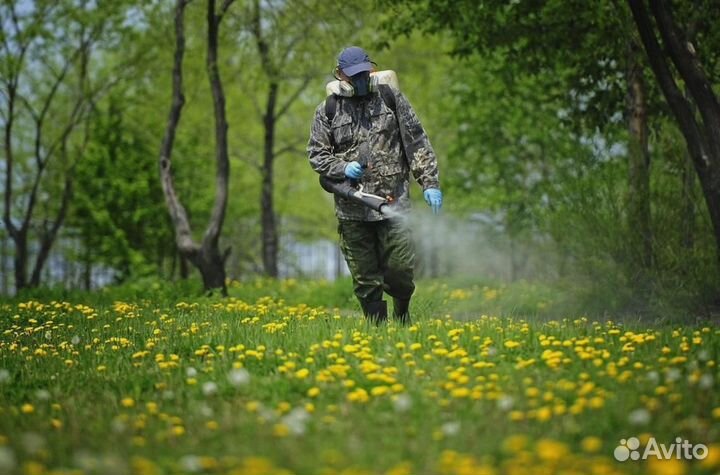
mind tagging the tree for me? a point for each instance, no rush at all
(117, 194)
(701, 132)
(49, 84)
(206, 255)
(292, 42)
(585, 47)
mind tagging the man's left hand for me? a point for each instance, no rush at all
(433, 197)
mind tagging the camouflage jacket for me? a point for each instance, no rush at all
(369, 119)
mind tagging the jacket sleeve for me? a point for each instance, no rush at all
(418, 150)
(320, 149)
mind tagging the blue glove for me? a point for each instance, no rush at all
(354, 170)
(433, 197)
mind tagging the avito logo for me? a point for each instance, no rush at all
(681, 449)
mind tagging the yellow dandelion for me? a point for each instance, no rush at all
(591, 444)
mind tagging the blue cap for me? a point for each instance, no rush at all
(353, 60)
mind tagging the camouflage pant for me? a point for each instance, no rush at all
(381, 257)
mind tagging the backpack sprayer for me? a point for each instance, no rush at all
(348, 188)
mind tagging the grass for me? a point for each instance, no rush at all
(283, 377)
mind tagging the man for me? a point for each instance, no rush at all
(378, 128)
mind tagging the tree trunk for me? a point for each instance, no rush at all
(638, 200)
(268, 223)
(687, 226)
(206, 256)
(47, 239)
(20, 261)
(702, 137)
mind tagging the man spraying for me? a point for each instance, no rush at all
(364, 143)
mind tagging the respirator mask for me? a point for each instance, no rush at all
(359, 85)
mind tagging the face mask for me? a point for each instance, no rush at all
(361, 83)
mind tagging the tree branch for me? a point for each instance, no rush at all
(677, 102)
(293, 97)
(683, 56)
(222, 172)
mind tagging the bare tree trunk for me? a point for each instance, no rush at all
(48, 237)
(184, 270)
(267, 207)
(702, 138)
(206, 256)
(687, 226)
(638, 200)
(268, 229)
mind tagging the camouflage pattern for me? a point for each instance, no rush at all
(368, 120)
(381, 257)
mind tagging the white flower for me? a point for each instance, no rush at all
(706, 381)
(639, 417)
(239, 377)
(653, 376)
(402, 402)
(209, 388)
(672, 375)
(191, 463)
(190, 372)
(206, 410)
(450, 428)
(505, 403)
(4, 375)
(703, 355)
(75, 340)
(296, 419)
(42, 394)
(48, 335)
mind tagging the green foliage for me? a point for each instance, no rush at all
(118, 194)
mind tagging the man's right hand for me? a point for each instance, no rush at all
(354, 170)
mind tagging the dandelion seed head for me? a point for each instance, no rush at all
(672, 375)
(42, 394)
(191, 463)
(209, 388)
(450, 428)
(639, 417)
(505, 403)
(238, 377)
(706, 381)
(402, 402)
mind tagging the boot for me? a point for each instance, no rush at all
(401, 311)
(375, 311)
